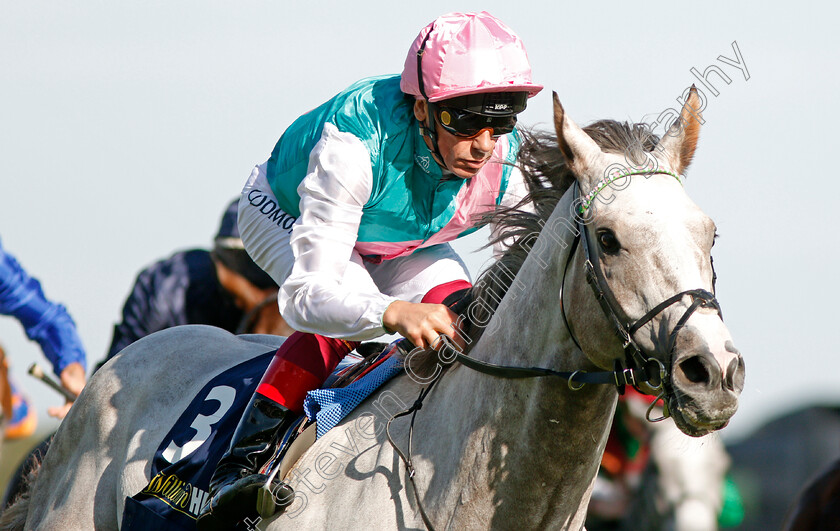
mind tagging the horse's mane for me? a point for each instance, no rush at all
(547, 177)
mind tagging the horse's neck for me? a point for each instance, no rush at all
(530, 447)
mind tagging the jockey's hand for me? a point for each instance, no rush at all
(73, 379)
(422, 323)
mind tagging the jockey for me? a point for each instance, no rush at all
(352, 215)
(217, 288)
(222, 287)
(52, 327)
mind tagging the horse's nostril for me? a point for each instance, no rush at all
(695, 370)
(734, 380)
(729, 381)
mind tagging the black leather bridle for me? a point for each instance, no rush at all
(645, 373)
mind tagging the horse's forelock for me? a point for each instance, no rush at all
(621, 137)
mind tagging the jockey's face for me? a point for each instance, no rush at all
(249, 297)
(464, 157)
(245, 295)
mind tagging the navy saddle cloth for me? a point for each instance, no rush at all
(185, 459)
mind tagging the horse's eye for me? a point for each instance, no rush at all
(608, 242)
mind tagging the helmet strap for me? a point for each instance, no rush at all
(428, 129)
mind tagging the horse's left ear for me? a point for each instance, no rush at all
(579, 150)
(680, 142)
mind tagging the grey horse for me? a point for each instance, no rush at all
(487, 452)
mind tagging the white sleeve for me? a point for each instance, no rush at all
(515, 192)
(328, 291)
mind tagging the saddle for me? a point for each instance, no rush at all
(301, 435)
(183, 464)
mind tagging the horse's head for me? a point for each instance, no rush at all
(650, 248)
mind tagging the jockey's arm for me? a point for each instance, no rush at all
(44, 321)
(329, 291)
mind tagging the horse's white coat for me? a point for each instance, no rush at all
(103, 449)
(681, 489)
(690, 478)
(486, 453)
(486, 450)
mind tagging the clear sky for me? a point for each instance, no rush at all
(126, 127)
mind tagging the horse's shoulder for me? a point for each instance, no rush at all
(357, 456)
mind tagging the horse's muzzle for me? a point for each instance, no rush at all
(706, 387)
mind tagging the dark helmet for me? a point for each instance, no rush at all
(229, 250)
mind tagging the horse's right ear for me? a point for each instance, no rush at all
(680, 141)
(579, 150)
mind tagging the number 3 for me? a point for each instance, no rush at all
(202, 424)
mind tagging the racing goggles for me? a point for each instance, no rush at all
(467, 116)
(468, 124)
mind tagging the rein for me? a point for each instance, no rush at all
(636, 370)
(654, 374)
(406, 459)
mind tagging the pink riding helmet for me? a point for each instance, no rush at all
(467, 53)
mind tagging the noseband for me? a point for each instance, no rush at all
(645, 373)
(637, 369)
